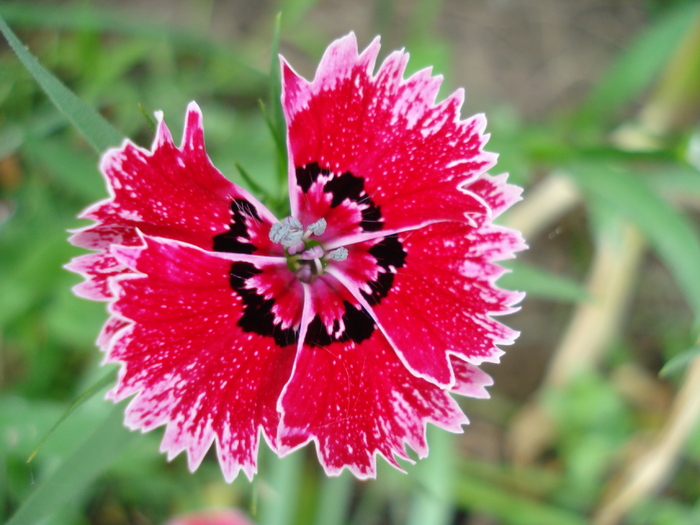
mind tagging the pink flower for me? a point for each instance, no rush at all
(212, 517)
(348, 323)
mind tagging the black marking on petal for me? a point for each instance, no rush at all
(389, 252)
(371, 219)
(345, 186)
(233, 241)
(358, 327)
(390, 256)
(257, 311)
(307, 175)
(358, 324)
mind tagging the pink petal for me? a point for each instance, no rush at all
(212, 517)
(177, 193)
(184, 355)
(436, 297)
(97, 269)
(470, 380)
(361, 401)
(109, 332)
(170, 192)
(410, 153)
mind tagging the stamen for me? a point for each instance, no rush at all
(318, 227)
(339, 254)
(288, 233)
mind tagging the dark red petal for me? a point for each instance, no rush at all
(496, 193)
(333, 314)
(173, 192)
(170, 192)
(470, 380)
(190, 364)
(357, 400)
(102, 236)
(439, 299)
(413, 155)
(97, 269)
(109, 332)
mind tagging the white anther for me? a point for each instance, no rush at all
(339, 254)
(288, 233)
(318, 227)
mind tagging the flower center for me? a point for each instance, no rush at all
(306, 256)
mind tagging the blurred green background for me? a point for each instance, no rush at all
(594, 108)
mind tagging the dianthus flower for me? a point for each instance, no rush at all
(348, 323)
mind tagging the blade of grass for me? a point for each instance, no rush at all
(82, 398)
(637, 66)
(102, 20)
(96, 130)
(334, 499)
(279, 507)
(432, 502)
(539, 283)
(669, 232)
(679, 362)
(510, 508)
(149, 118)
(76, 473)
(275, 116)
(262, 194)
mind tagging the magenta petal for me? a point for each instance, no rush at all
(97, 269)
(375, 302)
(362, 401)
(190, 365)
(212, 517)
(440, 298)
(443, 303)
(109, 332)
(172, 192)
(410, 152)
(470, 380)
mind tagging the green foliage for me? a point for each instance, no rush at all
(99, 71)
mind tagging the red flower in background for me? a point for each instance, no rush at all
(348, 323)
(212, 517)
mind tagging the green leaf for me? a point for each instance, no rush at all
(680, 362)
(432, 504)
(275, 116)
(96, 130)
(539, 283)
(77, 472)
(670, 233)
(509, 507)
(637, 66)
(283, 479)
(251, 182)
(334, 499)
(75, 171)
(82, 398)
(88, 18)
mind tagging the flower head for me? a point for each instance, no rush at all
(349, 323)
